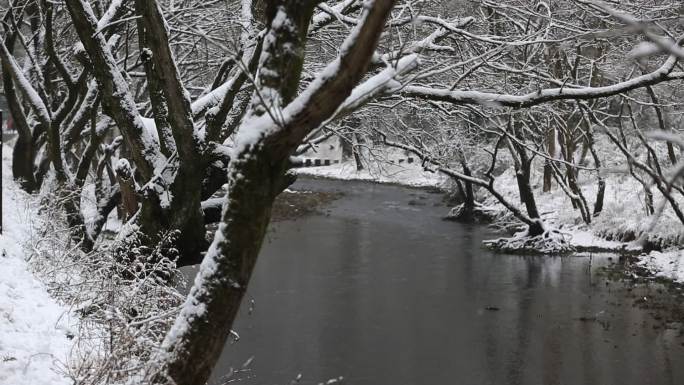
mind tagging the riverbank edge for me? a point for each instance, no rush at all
(589, 241)
(661, 296)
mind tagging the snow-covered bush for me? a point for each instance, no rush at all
(125, 295)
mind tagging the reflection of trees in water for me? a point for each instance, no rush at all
(560, 327)
(528, 347)
(517, 357)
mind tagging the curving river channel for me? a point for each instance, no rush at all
(380, 290)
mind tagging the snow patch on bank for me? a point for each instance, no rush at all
(585, 239)
(667, 264)
(34, 329)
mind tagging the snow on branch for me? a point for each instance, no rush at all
(664, 73)
(382, 83)
(106, 69)
(663, 43)
(328, 90)
(678, 169)
(111, 15)
(430, 42)
(24, 85)
(330, 13)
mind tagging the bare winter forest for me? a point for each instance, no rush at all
(357, 191)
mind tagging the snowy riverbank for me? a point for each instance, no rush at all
(71, 317)
(35, 336)
(405, 174)
(668, 264)
(621, 227)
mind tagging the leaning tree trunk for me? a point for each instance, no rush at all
(257, 175)
(253, 187)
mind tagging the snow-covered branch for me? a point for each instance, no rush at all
(662, 74)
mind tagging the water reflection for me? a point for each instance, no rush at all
(382, 292)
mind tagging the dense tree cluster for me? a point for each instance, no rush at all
(157, 104)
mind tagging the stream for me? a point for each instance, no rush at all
(380, 290)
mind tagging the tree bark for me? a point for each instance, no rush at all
(551, 151)
(24, 154)
(129, 199)
(522, 176)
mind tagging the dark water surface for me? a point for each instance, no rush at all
(382, 291)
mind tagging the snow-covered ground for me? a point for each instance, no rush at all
(623, 217)
(587, 240)
(35, 337)
(407, 174)
(668, 264)
(622, 214)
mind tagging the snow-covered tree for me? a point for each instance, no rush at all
(160, 103)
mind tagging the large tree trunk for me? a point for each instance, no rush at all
(178, 207)
(256, 176)
(245, 219)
